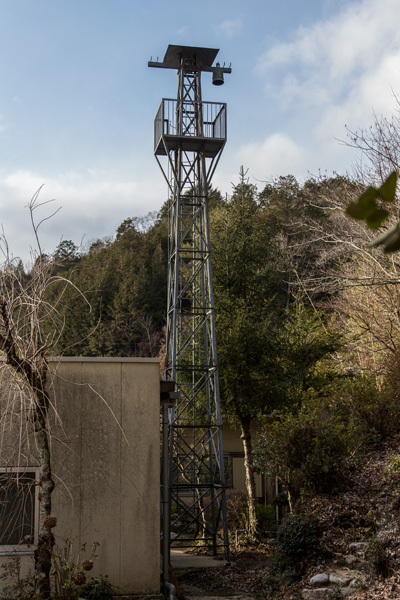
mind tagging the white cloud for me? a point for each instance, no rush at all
(331, 58)
(337, 51)
(92, 206)
(334, 73)
(231, 27)
(278, 154)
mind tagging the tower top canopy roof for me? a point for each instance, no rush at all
(203, 58)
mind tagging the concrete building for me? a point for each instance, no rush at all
(106, 466)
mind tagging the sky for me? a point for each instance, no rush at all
(78, 101)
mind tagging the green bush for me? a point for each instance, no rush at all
(97, 589)
(265, 517)
(314, 446)
(297, 537)
(307, 449)
(373, 411)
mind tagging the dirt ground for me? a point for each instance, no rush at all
(242, 577)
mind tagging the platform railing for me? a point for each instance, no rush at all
(205, 121)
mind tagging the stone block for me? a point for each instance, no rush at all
(320, 580)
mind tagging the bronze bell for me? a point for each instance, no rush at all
(218, 75)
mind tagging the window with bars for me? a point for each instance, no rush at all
(18, 509)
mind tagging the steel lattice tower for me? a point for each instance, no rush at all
(189, 138)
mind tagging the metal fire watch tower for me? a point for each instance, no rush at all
(189, 136)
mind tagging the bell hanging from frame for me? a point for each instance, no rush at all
(218, 75)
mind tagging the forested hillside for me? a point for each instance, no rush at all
(117, 307)
(294, 283)
(282, 246)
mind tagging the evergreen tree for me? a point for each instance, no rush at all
(264, 355)
(123, 283)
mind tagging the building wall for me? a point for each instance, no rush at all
(234, 458)
(106, 461)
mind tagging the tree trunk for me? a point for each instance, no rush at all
(36, 378)
(44, 551)
(250, 480)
